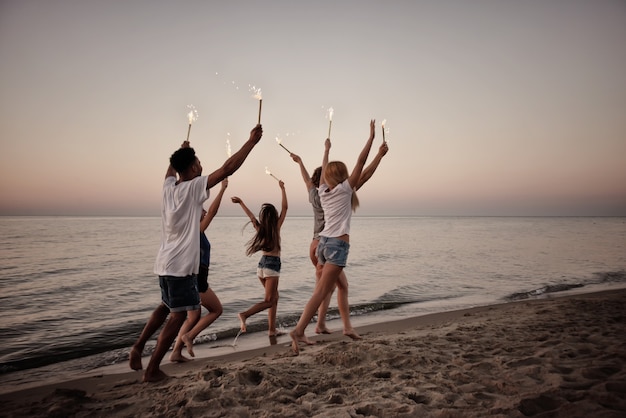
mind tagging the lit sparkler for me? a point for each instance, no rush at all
(191, 116)
(268, 172)
(383, 125)
(257, 95)
(228, 151)
(236, 338)
(279, 143)
(330, 119)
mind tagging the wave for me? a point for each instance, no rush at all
(596, 279)
(111, 345)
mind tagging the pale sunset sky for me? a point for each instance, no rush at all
(493, 107)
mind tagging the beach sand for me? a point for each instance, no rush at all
(552, 357)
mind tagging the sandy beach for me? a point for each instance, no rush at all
(552, 357)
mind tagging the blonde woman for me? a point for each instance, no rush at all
(312, 183)
(339, 201)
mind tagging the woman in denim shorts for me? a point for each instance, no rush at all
(338, 200)
(266, 240)
(312, 183)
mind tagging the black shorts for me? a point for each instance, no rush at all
(203, 278)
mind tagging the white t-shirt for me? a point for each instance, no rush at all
(337, 205)
(181, 210)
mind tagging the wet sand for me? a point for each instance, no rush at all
(553, 357)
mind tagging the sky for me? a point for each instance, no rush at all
(492, 107)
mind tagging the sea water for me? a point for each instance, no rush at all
(77, 291)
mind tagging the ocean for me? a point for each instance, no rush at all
(75, 292)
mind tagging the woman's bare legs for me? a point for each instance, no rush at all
(328, 280)
(177, 355)
(269, 302)
(271, 287)
(320, 328)
(213, 305)
(313, 252)
(344, 307)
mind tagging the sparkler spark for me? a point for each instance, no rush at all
(225, 82)
(257, 95)
(268, 172)
(384, 130)
(279, 143)
(191, 116)
(256, 92)
(330, 119)
(228, 151)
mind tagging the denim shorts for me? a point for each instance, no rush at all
(269, 266)
(180, 294)
(333, 251)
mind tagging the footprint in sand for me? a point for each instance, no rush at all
(250, 377)
(419, 399)
(535, 406)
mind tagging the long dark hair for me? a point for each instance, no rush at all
(267, 236)
(315, 178)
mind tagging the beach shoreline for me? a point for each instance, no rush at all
(562, 356)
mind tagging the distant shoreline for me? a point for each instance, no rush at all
(302, 215)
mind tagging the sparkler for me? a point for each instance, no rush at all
(279, 143)
(228, 151)
(267, 171)
(330, 119)
(191, 116)
(383, 124)
(236, 338)
(257, 95)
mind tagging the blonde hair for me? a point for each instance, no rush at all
(335, 173)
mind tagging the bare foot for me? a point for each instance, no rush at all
(154, 377)
(294, 343)
(243, 322)
(189, 343)
(134, 359)
(352, 334)
(295, 339)
(322, 330)
(177, 357)
(276, 333)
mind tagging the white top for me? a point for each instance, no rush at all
(337, 205)
(179, 254)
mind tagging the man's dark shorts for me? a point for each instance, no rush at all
(180, 294)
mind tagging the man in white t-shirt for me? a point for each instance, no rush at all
(178, 258)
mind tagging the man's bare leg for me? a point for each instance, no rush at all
(157, 318)
(153, 372)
